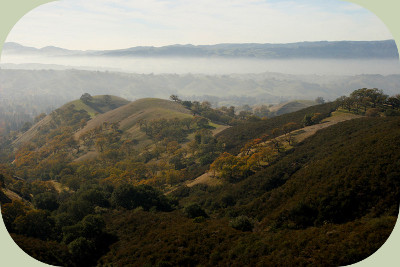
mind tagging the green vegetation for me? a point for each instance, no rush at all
(94, 105)
(330, 199)
(287, 107)
(74, 114)
(236, 137)
(242, 223)
(130, 197)
(195, 211)
(370, 102)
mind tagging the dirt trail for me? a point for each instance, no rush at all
(299, 135)
(11, 195)
(308, 131)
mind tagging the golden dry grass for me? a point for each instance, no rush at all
(336, 117)
(206, 178)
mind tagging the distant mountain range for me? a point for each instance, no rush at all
(323, 49)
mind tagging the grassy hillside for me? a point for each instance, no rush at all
(144, 130)
(235, 137)
(146, 108)
(98, 104)
(129, 117)
(292, 106)
(33, 132)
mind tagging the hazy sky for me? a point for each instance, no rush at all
(112, 24)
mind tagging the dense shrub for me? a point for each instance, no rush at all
(130, 197)
(35, 223)
(46, 201)
(242, 223)
(194, 210)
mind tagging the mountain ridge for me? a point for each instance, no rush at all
(318, 49)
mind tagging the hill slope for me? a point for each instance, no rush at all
(291, 106)
(129, 115)
(98, 104)
(236, 137)
(142, 130)
(327, 199)
(332, 200)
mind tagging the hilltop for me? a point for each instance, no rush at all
(147, 108)
(95, 105)
(91, 106)
(291, 106)
(130, 119)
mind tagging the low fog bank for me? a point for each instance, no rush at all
(209, 66)
(36, 91)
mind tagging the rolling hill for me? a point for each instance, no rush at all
(129, 115)
(291, 106)
(97, 105)
(82, 118)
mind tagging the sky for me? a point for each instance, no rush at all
(116, 24)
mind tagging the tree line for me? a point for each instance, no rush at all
(370, 102)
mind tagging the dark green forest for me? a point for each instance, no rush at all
(176, 191)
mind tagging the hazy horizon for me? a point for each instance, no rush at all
(191, 44)
(218, 66)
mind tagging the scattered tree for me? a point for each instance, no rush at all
(320, 100)
(86, 98)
